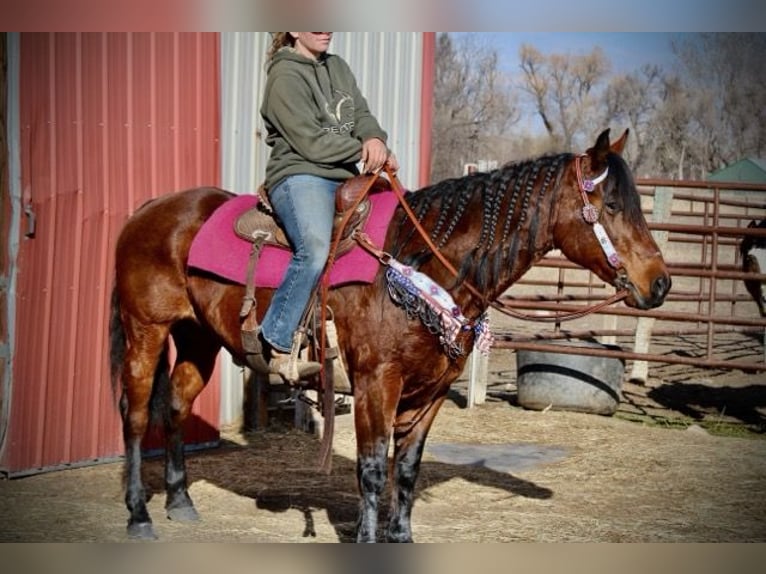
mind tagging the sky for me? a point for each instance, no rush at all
(234, 15)
(627, 51)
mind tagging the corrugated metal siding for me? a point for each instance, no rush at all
(243, 157)
(8, 221)
(107, 122)
(242, 79)
(388, 68)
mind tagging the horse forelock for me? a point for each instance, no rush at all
(510, 201)
(620, 181)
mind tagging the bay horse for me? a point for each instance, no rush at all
(492, 227)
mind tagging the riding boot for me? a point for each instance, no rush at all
(291, 368)
(289, 365)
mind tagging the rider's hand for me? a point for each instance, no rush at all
(374, 155)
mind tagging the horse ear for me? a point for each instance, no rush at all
(599, 150)
(752, 224)
(619, 145)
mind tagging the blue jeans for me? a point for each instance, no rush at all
(305, 204)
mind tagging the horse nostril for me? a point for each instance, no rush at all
(660, 287)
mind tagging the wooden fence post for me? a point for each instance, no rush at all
(663, 201)
(477, 379)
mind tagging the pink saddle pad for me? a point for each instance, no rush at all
(218, 250)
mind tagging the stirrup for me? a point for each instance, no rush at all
(291, 368)
(341, 383)
(289, 365)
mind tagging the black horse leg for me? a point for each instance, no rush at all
(408, 453)
(178, 505)
(194, 366)
(406, 470)
(371, 476)
(138, 373)
(139, 523)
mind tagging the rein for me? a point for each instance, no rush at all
(328, 396)
(606, 244)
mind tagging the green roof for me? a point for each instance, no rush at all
(748, 170)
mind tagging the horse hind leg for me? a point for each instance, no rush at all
(196, 355)
(144, 361)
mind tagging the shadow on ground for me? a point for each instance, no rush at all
(278, 472)
(698, 402)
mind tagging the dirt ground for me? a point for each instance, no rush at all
(683, 460)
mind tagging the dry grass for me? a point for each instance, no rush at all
(619, 482)
(659, 477)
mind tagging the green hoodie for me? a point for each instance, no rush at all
(316, 118)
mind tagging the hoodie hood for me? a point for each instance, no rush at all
(288, 57)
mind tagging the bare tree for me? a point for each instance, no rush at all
(471, 104)
(708, 113)
(676, 152)
(724, 75)
(633, 100)
(711, 114)
(564, 89)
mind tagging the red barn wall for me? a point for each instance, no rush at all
(107, 121)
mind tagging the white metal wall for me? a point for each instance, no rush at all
(388, 68)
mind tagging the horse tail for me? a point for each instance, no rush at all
(160, 398)
(116, 342)
(159, 401)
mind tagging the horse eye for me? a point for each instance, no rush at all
(612, 206)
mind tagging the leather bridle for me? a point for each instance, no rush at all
(586, 186)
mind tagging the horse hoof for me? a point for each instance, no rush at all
(141, 531)
(183, 514)
(400, 539)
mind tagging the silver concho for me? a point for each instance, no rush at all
(590, 213)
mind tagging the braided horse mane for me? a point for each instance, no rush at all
(510, 199)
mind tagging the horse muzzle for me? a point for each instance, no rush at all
(659, 287)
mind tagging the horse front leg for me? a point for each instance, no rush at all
(374, 411)
(371, 476)
(410, 433)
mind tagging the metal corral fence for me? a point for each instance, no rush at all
(698, 226)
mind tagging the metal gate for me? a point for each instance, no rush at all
(698, 226)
